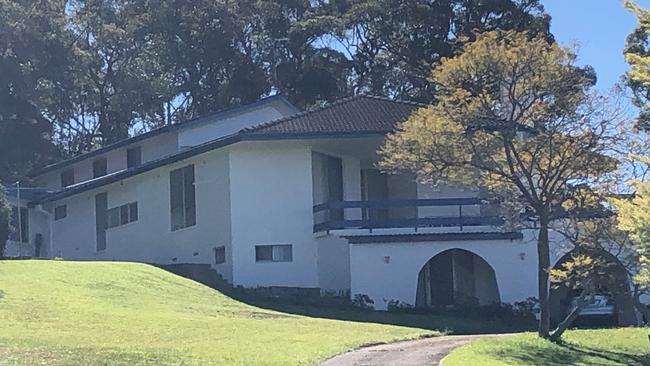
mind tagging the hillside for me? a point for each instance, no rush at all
(101, 313)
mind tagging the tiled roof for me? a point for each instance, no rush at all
(351, 116)
(359, 114)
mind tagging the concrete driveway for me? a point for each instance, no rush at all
(420, 352)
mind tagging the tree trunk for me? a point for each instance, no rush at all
(643, 309)
(543, 266)
(566, 323)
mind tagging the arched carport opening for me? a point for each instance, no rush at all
(456, 277)
(615, 286)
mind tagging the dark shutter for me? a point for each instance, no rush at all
(101, 204)
(189, 196)
(176, 198)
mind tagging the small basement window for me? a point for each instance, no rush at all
(60, 212)
(220, 255)
(273, 253)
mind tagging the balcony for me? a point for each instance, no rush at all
(458, 213)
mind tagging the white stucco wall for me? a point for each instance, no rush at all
(271, 204)
(211, 130)
(514, 263)
(150, 239)
(152, 148)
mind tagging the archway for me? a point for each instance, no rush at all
(456, 277)
(615, 286)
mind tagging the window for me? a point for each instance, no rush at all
(60, 212)
(99, 167)
(220, 255)
(273, 253)
(182, 198)
(19, 224)
(133, 157)
(122, 215)
(67, 178)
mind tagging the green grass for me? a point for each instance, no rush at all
(83, 313)
(624, 346)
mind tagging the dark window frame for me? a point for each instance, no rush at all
(267, 253)
(122, 215)
(100, 167)
(60, 212)
(220, 255)
(133, 157)
(67, 177)
(182, 197)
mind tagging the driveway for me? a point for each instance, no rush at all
(420, 352)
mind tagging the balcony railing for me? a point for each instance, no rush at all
(334, 215)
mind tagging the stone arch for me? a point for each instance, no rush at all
(456, 277)
(617, 286)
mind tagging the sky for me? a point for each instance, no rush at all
(599, 27)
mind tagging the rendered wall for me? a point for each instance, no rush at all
(271, 203)
(389, 271)
(150, 239)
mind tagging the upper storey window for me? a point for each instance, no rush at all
(67, 178)
(99, 167)
(133, 157)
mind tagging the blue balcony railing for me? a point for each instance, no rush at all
(334, 215)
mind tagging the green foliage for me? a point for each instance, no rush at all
(607, 347)
(637, 54)
(86, 73)
(5, 220)
(513, 116)
(33, 71)
(634, 218)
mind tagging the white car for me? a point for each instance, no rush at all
(600, 305)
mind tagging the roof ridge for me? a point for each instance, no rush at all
(335, 103)
(388, 99)
(301, 114)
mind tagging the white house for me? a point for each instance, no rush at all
(269, 196)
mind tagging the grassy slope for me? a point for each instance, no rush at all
(62, 313)
(625, 346)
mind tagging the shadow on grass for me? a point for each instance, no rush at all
(449, 324)
(339, 308)
(566, 353)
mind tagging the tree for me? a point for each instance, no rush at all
(118, 78)
(392, 44)
(514, 117)
(637, 54)
(634, 218)
(34, 51)
(5, 221)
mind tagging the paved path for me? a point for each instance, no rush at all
(421, 352)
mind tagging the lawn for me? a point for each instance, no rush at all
(83, 313)
(625, 346)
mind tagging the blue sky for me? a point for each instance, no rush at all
(599, 27)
